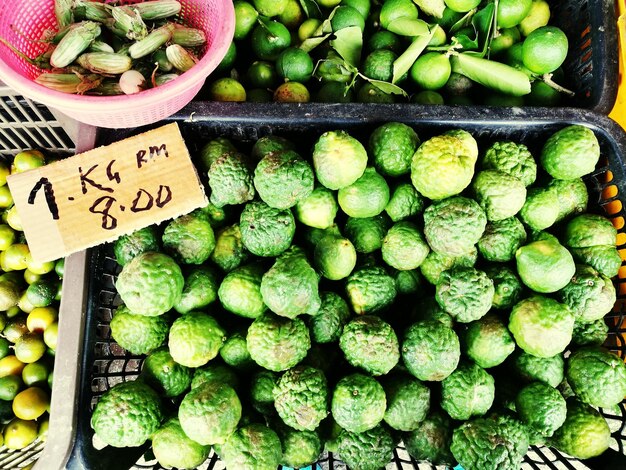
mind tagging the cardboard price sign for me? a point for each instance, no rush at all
(99, 195)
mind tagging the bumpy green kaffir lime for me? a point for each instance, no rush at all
(240, 291)
(301, 398)
(229, 252)
(214, 149)
(545, 265)
(327, 324)
(270, 144)
(335, 257)
(172, 447)
(404, 246)
(234, 352)
(453, 226)
(266, 231)
(466, 294)
(358, 403)
(590, 334)
(300, 448)
(392, 146)
(368, 450)
(430, 350)
(278, 343)
(590, 295)
(405, 202)
(502, 239)
(209, 413)
(408, 402)
(541, 209)
(570, 153)
(215, 371)
(487, 341)
(371, 344)
(597, 376)
(282, 179)
(262, 391)
(442, 166)
(252, 447)
(370, 289)
(127, 415)
(436, 263)
(128, 246)
(189, 238)
(512, 158)
(468, 391)
(138, 334)
(541, 326)
(199, 290)
(572, 195)
(318, 209)
(366, 197)
(542, 407)
(584, 434)
(507, 286)
(164, 375)
(150, 284)
(499, 194)
(339, 159)
(498, 442)
(230, 180)
(290, 287)
(367, 234)
(549, 370)
(431, 440)
(195, 339)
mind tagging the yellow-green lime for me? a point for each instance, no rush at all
(270, 8)
(41, 318)
(292, 15)
(6, 199)
(36, 373)
(28, 160)
(11, 365)
(362, 6)
(13, 219)
(30, 348)
(227, 89)
(431, 71)
(292, 92)
(504, 40)
(538, 16)
(395, 9)
(512, 12)
(7, 236)
(245, 19)
(328, 3)
(308, 28)
(31, 403)
(461, 6)
(4, 172)
(19, 433)
(50, 335)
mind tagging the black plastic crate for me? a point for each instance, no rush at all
(104, 363)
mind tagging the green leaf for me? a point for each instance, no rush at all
(311, 9)
(495, 75)
(463, 22)
(403, 63)
(348, 43)
(386, 87)
(408, 27)
(311, 43)
(431, 7)
(482, 23)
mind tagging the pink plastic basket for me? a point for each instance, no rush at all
(33, 17)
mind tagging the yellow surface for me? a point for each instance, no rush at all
(619, 111)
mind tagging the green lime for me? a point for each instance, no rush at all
(10, 386)
(227, 89)
(31, 403)
(50, 335)
(245, 19)
(270, 39)
(28, 160)
(41, 318)
(5, 347)
(294, 64)
(335, 257)
(24, 305)
(504, 40)
(261, 74)
(31, 277)
(538, 16)
(41, 293)
(292, 92)
(36, 374)
(13, 219)
(362, 6)
(378, 65)
(328, 3)
(384, 40)
(30, 348)
(545, 49)
(334, 92)
(308, 28)
(59, 267)
(19, 433)
(439, 37)
(292, 15)
(396, 9)
(228, 61)
(16, 256)
(431, 71)
(370, 93)
(427, 97)
(259, 95)
(542, 94)
(512, 12)
(366, 197)
(15, 328)
(346, 16)
(42, 431)
(6, 199)
(462, 6)
(270, 8)
(7, 236)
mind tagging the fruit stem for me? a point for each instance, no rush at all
(547, 79)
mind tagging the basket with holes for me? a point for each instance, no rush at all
(26, 125)
(106, 364)
(23, 23)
